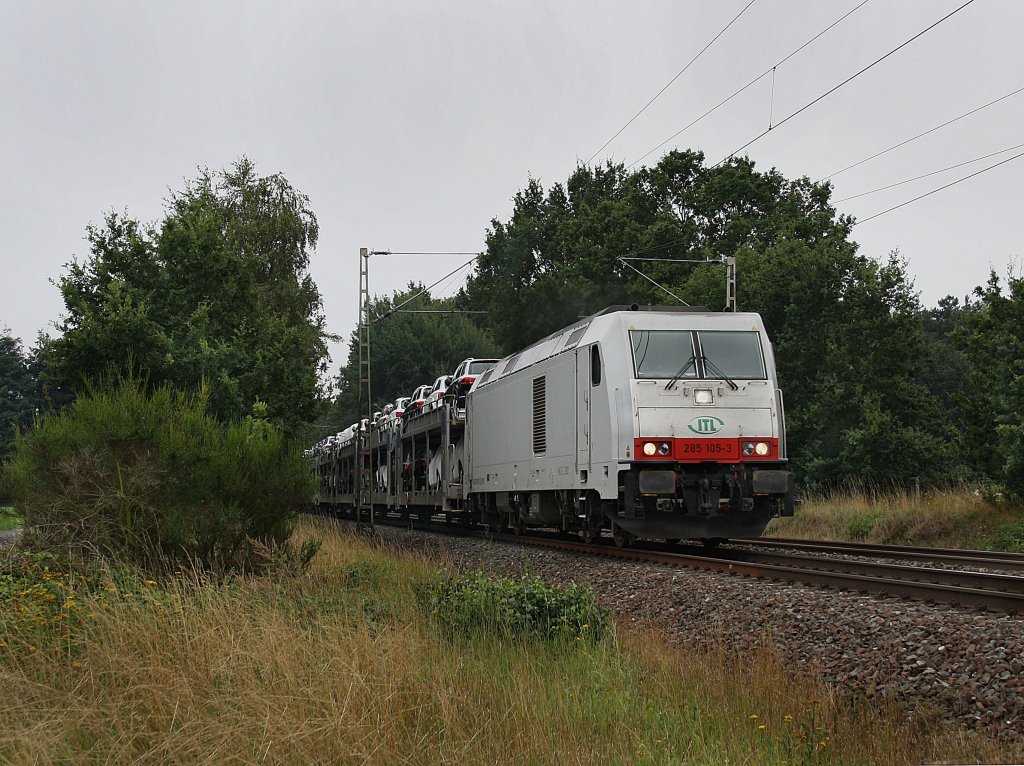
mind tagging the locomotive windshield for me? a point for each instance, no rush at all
(663, 353)
(686, 354)
(734, 354)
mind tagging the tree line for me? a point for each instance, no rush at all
(878, 388)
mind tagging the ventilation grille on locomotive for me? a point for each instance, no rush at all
(540, 431)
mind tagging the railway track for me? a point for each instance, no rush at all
(993, 591)
(1009, 562)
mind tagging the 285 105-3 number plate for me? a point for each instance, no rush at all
(706, 448)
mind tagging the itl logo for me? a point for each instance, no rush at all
(706, 424)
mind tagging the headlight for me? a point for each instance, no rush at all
(650, 448)
(703, 396)
(761, 448)
(664, 448)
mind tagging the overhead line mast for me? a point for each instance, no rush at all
(364, 482)
(363, 339)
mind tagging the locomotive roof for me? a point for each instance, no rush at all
(575, 331)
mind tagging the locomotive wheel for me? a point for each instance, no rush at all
(622, 538)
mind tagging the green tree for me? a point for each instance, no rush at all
(847, 330)
(148, 477)
(217, 292)
(946, 371)
(19, 392)
(991, 336)
(424, 339)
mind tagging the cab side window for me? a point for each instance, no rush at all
(595, 366)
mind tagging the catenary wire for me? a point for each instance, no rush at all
(757, 79)
(669, 83)
(660, 287)
(919, 135)
(455, 280)
(926, 175)
(852, 77)
(420, 252)
(428, 287)
(935, 191)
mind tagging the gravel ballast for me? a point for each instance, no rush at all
(965, 662)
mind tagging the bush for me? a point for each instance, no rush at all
(1009, 537)
(152, 479)
(862, 526)
(529, 606)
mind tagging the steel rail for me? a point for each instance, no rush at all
(969, 578)
(1011, 562)
(957, 595)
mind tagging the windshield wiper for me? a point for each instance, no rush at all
(714, 368)
(682, 371)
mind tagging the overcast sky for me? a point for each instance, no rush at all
(410, 125)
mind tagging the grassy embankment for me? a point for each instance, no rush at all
(9, 519)
(953, 519)
(347, 664)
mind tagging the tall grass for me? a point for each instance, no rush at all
(961, 518)
(9, 518)
(344, 665)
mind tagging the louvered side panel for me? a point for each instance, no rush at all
(540, 406)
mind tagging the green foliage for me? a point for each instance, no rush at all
(19, 392)
(37, 600)
(476, 603)
(1009, 537)
(862, 526)
(217, 293)
(150, 478)
(9, 518)
(409, 349)
(991, 337)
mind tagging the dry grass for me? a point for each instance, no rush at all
(341, 665)
(953, 518)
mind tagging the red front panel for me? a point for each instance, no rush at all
(699, 450)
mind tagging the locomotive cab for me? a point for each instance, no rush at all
(708, 438)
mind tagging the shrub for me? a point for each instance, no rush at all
(1009, 537)
(862, 526)
(528, 606)
(150, 478)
